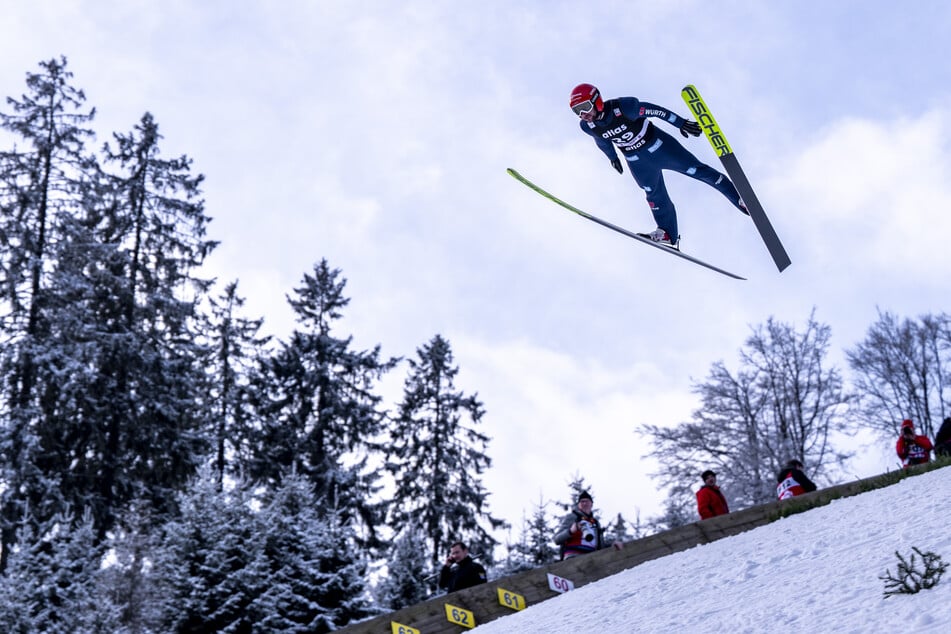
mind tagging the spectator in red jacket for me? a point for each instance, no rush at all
(791, 481)
(912, 448)
(710, 500)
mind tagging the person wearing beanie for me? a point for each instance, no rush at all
(710, 500)
(912, 448)
(791, 481)
(579, 532)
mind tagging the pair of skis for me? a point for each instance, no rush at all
(732, 166)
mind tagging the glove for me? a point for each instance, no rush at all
(690, 127)
(616, 164)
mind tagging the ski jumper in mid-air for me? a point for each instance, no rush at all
(624, 124)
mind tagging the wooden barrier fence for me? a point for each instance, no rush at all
(534, 586)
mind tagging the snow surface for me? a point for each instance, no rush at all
(812, 572)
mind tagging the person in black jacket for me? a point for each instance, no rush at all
(460, 571)
(942, 441)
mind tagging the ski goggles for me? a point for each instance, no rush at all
(584, 107)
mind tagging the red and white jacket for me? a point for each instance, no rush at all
(917, 451)
(793, 482)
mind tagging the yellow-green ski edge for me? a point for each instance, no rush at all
(622, 231)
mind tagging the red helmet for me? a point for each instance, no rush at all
(584, 98)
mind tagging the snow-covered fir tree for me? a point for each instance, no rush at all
(209, 567)
(437, 456)
(315, 568)
(234, 346)
(408, 578)
(293, 565)
(129, 573)
(154, 380)
(623, 530)
(534, 546)
(104, 369)
(40, 180)
(680, 509)
(319, 411)
(54, 581)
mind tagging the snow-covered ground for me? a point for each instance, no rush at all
(813, 572)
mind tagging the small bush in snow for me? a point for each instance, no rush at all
(910, 578)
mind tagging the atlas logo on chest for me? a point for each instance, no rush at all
(616, 131)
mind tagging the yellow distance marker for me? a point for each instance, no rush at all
(511, 599)
(460, 616)
(399, 628)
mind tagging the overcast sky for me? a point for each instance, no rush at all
(377, 134)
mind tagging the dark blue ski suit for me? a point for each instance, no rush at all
(624, 124)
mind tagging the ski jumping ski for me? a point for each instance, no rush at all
(732, 166)
(620, 230)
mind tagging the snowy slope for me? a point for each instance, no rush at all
(813, 572)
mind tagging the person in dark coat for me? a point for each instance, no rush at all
(710, 500)
(912, 448)
(942, 441)
(460, 570)
(791, 481)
